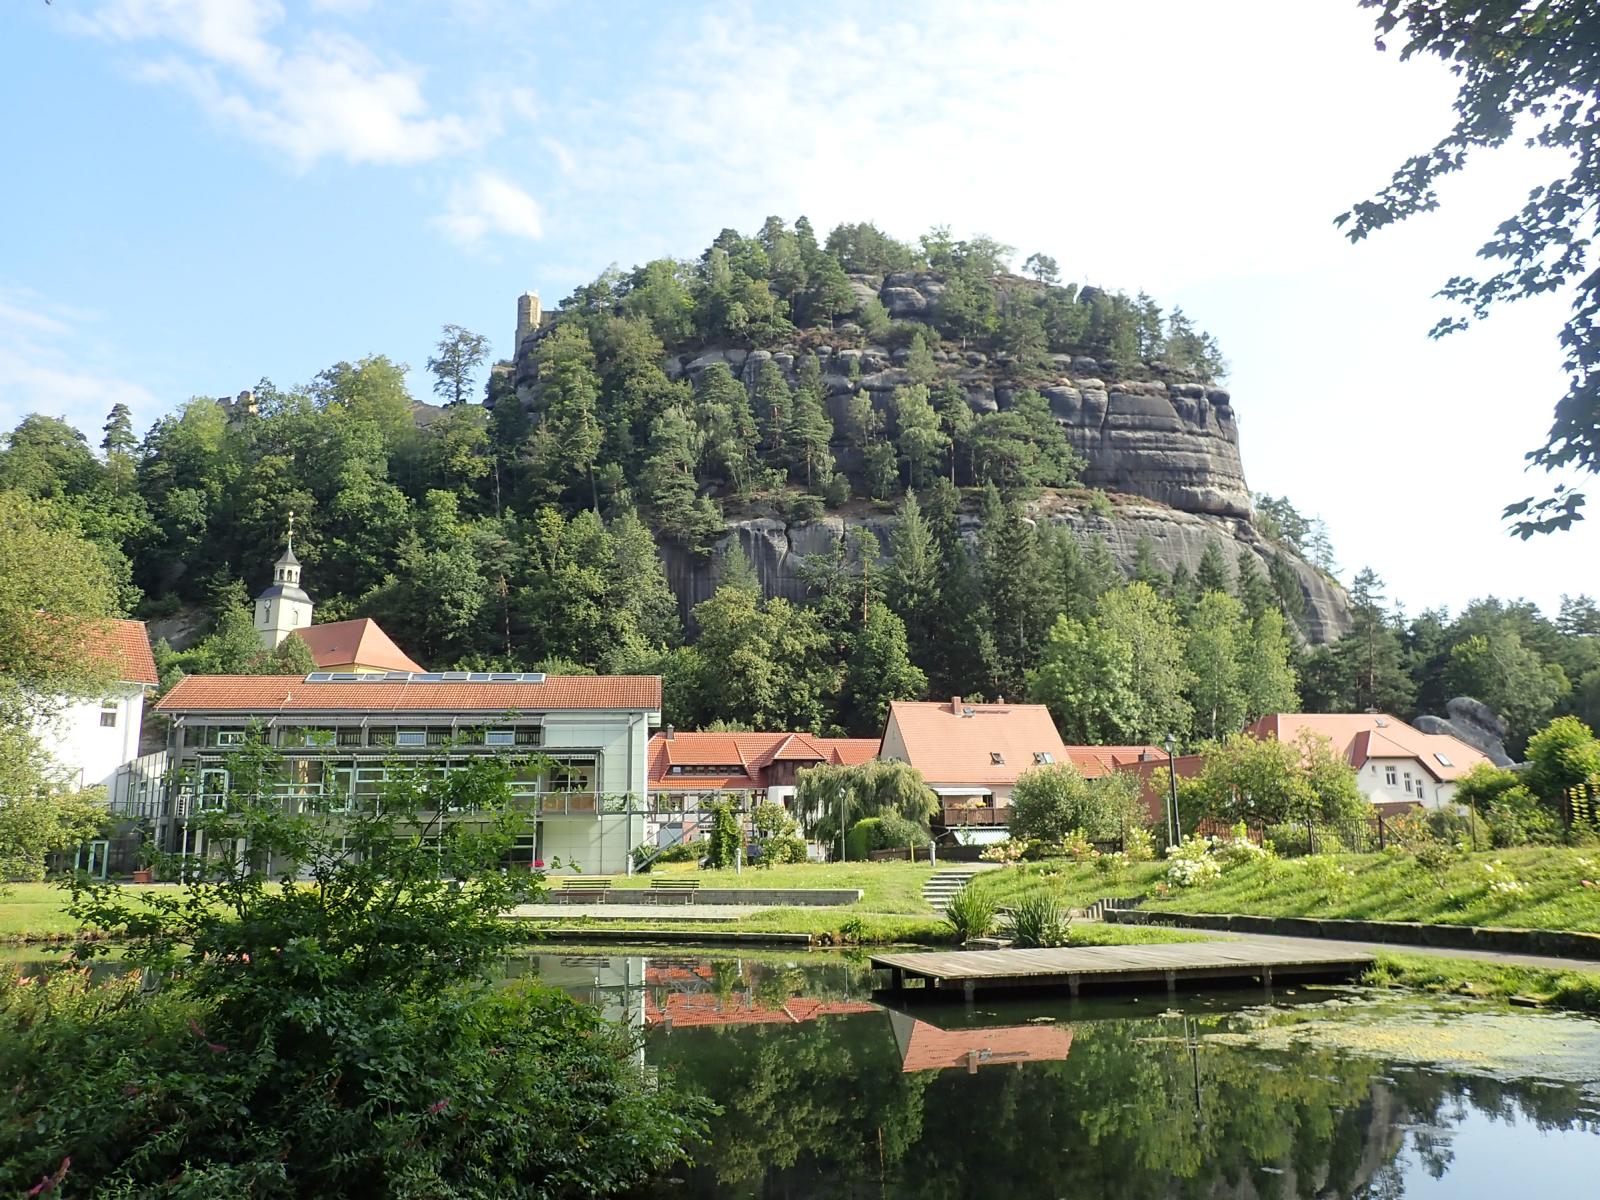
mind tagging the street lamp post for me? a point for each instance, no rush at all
(1173, 826)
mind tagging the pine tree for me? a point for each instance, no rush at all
(1012, 580)
(1212, 573)
(811, 430)
(920, 368)
(1252, 588)
(879, 670)
(956, 420)
(570, 390)
(913, 582)
(1286, 588)
(920, 438)
(774, 406)
(722, 410)
(459, 354)
(1145, 567)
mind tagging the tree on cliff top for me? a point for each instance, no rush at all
(1533, 67)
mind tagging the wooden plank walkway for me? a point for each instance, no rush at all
(1175, 964)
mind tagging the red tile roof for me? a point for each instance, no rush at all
(291, 693)
(747, 755)
(685, 1010)
(1361, 736)
(126, 645)
(359, 641)
(954, 744)
(1094, 761)
(925, 1047)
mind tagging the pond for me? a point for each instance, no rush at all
(1309, 1092)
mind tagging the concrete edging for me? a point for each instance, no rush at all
(1557, 943)
(760, 897)
(644, 937)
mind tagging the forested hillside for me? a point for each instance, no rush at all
(923, 393)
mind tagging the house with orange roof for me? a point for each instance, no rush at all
(92, 740)
(688, 769)
(581, 741)
(972, 755)
(284, 610)
(1395, 763)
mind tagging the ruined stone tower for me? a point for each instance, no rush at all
(528, 316)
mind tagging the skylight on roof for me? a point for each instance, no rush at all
(1043, 757)
(996, 758)
(1443, 761)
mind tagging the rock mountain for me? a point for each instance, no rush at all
(1163, 447)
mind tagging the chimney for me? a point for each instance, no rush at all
(955, 705)
(670, 732)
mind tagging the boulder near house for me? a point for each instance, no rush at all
(972, 755)
(689, 769)
(340, 734)
(95, 742)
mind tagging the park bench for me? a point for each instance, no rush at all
(586, 888)
(679, 889)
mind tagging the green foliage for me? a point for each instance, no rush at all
(1039, 922)
(38, 814)
(971, 913)
(459, 354)
(1267, 782)
(1050, 802)
(776, 835)
(722, 846)
(329, 1025)
(1519, 75)
(827, 795)
(1563, 755)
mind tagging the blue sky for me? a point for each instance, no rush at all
(205, 192)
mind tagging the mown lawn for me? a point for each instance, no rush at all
(1540, 888)
(889, 887)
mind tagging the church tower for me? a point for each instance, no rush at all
(282, 607)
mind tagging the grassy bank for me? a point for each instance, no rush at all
(1525, 888)
(887, 887)
(1575, 990)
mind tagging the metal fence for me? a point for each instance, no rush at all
(1367, 834)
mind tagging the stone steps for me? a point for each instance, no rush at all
(944, 885)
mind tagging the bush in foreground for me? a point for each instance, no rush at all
(337, 1034)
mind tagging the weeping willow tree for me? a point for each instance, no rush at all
(830, 799)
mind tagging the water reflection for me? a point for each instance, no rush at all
(825, 1093)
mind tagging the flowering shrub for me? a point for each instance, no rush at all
(1139, 844)
(1009, 851)
(1111, 865)
(1191, 864)
(1076, 846)
(1502, 880)
(1239, 850)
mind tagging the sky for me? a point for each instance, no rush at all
(204, 193)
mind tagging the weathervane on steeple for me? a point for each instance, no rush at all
(283, 607)
(291, 529)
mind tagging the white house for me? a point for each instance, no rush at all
(1394, 762)
(341, 734)
(92, 740)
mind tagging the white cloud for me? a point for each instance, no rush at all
(327, 95)
(48, 365)
(489, 204)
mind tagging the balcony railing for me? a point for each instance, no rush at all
(987, 815)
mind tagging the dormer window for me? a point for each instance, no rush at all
(1043, 757)
(996, 759)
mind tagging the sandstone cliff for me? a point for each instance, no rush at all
(1163, 445)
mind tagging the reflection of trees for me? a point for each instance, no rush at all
(824, 1110)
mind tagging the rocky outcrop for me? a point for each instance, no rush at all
(1475, 723)
(777, 550)
(1165, 444)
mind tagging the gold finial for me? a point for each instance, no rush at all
(291, 526)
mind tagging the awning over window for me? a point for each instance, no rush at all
(961, 791)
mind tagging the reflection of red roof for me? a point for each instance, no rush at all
(350, 643)
(126, 645)
(744, 757)
(684, 1010)
(925, 1047)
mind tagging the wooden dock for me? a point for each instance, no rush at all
(1177, 964)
